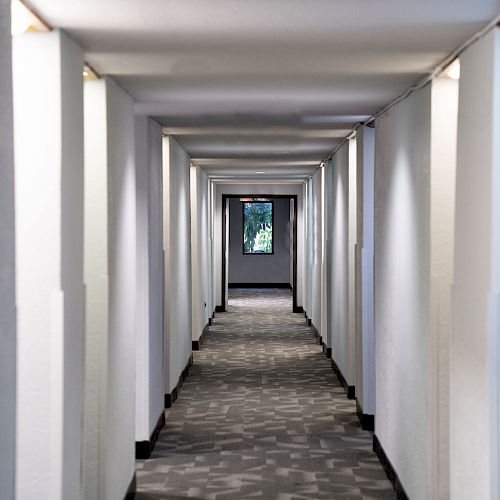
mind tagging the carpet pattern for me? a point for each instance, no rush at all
(262, 415)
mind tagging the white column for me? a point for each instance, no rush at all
(199, 250)
(110, 278)
(48, 112)
(352, 263)
(7, 264)
(476, 300)
(342, 344)
(177, 242)
(365, 344)
(444, 115)
(414, 204)
(149, 317)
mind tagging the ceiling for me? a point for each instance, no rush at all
(265, 85)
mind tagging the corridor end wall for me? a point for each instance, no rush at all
(250, 269)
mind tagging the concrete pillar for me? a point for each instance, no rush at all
(7, 265)
(149, 317)
(48, 112)
(110, 279)
(476, 301)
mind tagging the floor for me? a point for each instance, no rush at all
(262, 415)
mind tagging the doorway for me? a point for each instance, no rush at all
(261, 251)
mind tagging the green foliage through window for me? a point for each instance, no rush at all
(257, 227)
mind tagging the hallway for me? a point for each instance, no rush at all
(262, 415)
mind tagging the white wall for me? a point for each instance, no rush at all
(475, 355)
(268, 189)
(200, 250)
(177, 246)
(110, 277)
(365, 342)
(7, 264)
(149, 318)
(414, 177)
(47, 75)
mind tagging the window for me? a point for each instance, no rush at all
(258, 218)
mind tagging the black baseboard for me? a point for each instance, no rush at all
(210, 321)
(350, 390)
(170, 398)
(213, 315)
(367, 421)
(316, 334)
(309, 322)
(298, 309)
(328, 352)
(196, 344)
(389, 470)
(131, 490)
(259, 285)
(220, 309)
(143, 449)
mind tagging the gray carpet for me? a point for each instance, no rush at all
(262, 415)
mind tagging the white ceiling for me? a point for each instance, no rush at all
(273, 81)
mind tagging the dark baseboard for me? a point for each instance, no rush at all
(143, 449)
(220, 309)
(210, 321)
(317, 335)
(197, 343)
(170, 398)
(259, 285)
(309, 322)
(131, 490)
(389, 470)
(298, 309)
(213, 315)
(367, 421)
(328, 352)
(349, 389)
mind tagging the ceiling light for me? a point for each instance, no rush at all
(453, 70)
(261, 172)
(24, 19)
(89, 73)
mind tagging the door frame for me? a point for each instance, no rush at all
(225, 197)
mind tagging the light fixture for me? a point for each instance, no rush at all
(261, 172)
(23, 19)
(453, 70)
(89, 73)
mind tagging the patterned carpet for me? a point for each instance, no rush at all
(262, 415)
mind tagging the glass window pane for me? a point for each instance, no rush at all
(258, 227)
